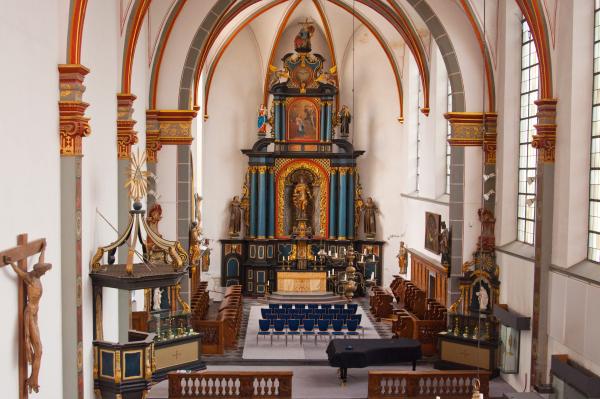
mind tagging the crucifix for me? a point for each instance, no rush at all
(30, 293)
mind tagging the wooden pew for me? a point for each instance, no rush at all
(381, 303)
(427, 384)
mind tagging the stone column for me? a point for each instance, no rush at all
(351, 232)
(545, 143)
(468, 137)
(333, 184)
(126, 138)
(73, 125)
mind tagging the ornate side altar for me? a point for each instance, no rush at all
(302, 194)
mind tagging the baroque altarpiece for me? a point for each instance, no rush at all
(301, 197)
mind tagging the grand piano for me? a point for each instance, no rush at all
(360, 353)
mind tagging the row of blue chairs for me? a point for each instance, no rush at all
(323, 328)
(264, 312)
(340, 306)
(309, 316)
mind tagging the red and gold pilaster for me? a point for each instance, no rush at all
(74, 125)
(545, 139)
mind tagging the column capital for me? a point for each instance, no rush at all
(468, 127)
(73, 124)
(153, 144)
(174, 125)
(126, 136)
(545, 139)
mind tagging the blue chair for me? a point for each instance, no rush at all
(334, 312)
(313, 306)
(357, 317)
(286, 306)
(339, 306)
(278, 330)
(273, 306)
(337, 326)
(353, 307)
(264, 329)
(265, 313)
(308, 327)
(327, 319)
(293, 328)
(299, 306)
(320, 312)
(323, 329)
(351, 326)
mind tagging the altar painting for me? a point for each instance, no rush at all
(303, 120)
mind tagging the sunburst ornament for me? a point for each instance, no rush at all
(137, 179)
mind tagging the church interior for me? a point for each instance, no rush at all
(300, 199)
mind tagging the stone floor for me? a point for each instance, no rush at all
(313, 377)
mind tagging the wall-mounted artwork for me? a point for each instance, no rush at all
(303, 120)
(432, 232)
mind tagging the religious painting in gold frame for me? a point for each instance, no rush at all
(432, 232)
(303, 120)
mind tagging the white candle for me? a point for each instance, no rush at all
(372, 275)
(365, 251)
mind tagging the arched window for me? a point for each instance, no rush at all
(594, 211)
(527, 154)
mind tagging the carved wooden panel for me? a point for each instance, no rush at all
(422, 270)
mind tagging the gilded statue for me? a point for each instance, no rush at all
(345, 118)
(245, 206)
(195, 237)
(369, 218)
(154, 217)
(302, 39)
(33, 343)
(301, 198)
(205, 255)
(402, 258)
(235, 217)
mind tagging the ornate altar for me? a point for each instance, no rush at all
(472, 338)
(301, 193)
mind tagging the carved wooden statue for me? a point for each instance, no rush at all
(301, 198)
(445, 244)
(235, 217)
(370, 213)
(402, 258)
(33, 343)
(345, 118)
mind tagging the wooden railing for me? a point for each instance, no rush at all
(426, 384)
(222, 384)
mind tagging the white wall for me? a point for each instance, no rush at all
(235, 96)
(30, 172)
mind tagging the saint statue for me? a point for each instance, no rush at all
(483, 298)
(195, 234)
(402, 258)
(156, 298)
(205, 254)
(262, 121)
(344, 118)
(33, 343)
(301, 198)
(235, 217)
(302, 39)
(369, 222)
(445, 244)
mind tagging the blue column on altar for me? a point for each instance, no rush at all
(271, 204)
(283, 119)
(343, 205)
(323, 119)
(277, 117)
(253, 201)
(328, 111)
(351, 203)
(332, 202)
(262, 202)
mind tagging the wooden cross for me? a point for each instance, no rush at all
(19, 255)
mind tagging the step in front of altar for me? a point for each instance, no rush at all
(304, 297)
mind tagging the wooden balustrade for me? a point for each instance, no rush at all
(426, 384)
(222, 384)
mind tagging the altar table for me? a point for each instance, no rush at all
(301, 281)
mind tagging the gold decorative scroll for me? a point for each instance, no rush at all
(467, 128)
(172, 126)
(126, 136)
(73, 124)
(545, 138)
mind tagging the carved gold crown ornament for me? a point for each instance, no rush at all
(137, 185)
